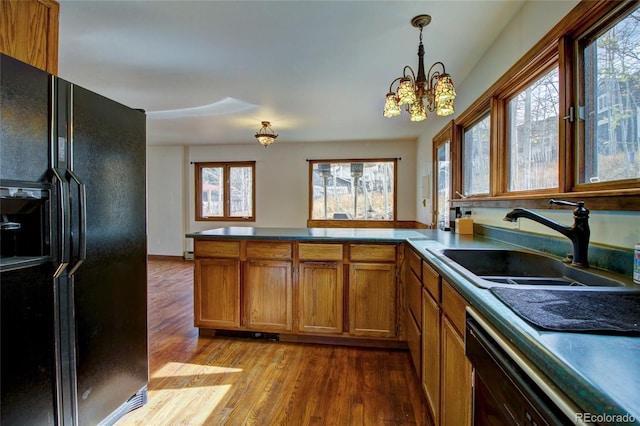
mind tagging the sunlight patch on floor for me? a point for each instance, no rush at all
(175, 369)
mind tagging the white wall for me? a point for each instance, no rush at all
(531, 23)
(282, 184)
(165, 200)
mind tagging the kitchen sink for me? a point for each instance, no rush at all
(496, 267)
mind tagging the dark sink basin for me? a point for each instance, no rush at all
(492, 267)
(506, 263)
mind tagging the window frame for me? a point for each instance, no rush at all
(354, 223)
(594, 27)
(226, 167)
(559, 45)
(542, 64)
(445, 135)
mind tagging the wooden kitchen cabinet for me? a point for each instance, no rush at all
(321, 297)
(268, 294)
(431, 338)
(217, 293)
(320, 288)
(372, 299)
(413, 304)
(29, 32)
(446, 371)
(304, 290)
(456, 378)
(373, 290)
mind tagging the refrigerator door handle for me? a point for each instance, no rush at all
(63, 222)
(82, 226)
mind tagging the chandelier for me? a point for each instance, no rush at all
(419, 93)
(266, 135)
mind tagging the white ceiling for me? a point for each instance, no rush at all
(318, 70)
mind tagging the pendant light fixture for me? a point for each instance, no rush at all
(266, 136)
(419, 93)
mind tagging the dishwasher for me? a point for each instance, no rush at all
(508, 389)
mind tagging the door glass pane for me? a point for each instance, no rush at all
(475, 162)
(353, 191)
(611, 74)
(241, 190)
(212, 196)
(533, 135)
(443, 183)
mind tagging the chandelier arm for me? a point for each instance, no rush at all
(392, 83)
(437, 72)
(404, 72)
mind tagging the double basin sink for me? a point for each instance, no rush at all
(488, 268)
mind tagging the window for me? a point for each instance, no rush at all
(533, 135)
(443, 175)
(352, 190)
(609, 75)
(564, 121)
(225, 191)
(475, 162)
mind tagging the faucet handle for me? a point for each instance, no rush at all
(580, 211)
(567, 203)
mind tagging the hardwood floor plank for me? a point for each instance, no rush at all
(230, 381)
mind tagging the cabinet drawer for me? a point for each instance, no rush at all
(373, 252)
(224, 249)
(268, 250)
(414, 296)
(308, 251)
(454, 306)
(415, 263)
(431, 281)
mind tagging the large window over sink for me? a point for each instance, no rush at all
(609, 102)
(563, 122)
(352, 190)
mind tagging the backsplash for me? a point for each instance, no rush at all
(613, 259)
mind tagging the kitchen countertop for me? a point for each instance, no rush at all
(361, 234)
(599, 373)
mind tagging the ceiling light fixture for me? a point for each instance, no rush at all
(266, 135)
(421, 93)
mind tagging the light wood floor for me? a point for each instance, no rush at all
(230, 381)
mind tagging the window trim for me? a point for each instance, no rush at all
(354, 223)
(470, 118)
(500, 109)
(226, 166)
(443, 136)
(560, 42)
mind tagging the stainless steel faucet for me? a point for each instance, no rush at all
(578, 233)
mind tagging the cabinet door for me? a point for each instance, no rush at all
(431, 354)
(372, 299)
(414, 339)
(217, 293)
(320, 294)
(268, 295)
(29, 32)
(456, 378)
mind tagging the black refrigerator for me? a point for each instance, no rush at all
(73, 279)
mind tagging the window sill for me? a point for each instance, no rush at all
(622, 199)
(407, 224)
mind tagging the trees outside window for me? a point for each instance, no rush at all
(352, 190)
(610, 101)
(225, 191)
(533, 135)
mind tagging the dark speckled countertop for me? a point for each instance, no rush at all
(365, 234)
(599, 373)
